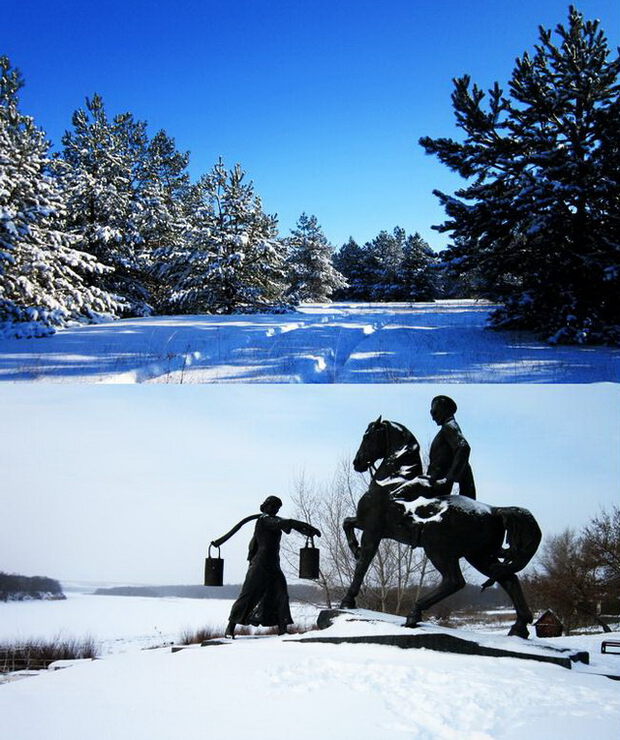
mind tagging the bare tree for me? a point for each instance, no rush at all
(391, 576)
(601, 539)
(568, 581)
(325, 506)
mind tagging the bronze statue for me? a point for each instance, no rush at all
(448, 458)
(449, 453)
(264, 597)
(447, 527)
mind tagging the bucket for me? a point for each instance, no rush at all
(214, 569)
(309, 560)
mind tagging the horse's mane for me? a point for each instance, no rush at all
(408, 437)
(403, 460)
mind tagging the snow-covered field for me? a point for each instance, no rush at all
(322, 343)
(274, 688)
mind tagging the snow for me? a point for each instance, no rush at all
(438, 504)
(361, 622)
(279, 688)
(436, 342)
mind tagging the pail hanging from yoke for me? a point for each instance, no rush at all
(309, 560)
(214, 569)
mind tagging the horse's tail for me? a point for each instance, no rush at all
(523, 536)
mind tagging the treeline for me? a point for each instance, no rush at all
(299, 591)
(18, 588)
(111, 226)
(391, 267)
(578, 574)
(470, 598)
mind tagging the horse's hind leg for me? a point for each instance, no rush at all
(511, 585)
(367, 551)
(451, 581)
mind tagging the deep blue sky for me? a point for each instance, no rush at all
(322, 102)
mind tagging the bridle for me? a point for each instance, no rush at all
(386, 428)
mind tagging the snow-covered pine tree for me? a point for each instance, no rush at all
(163, 222)
(351, 261)
(418, 271)
(455, 284)
(391, 267)
(104, 207)
(42, 272)
(234, 261)
(388, 252)
(310, 267)
(539, 221)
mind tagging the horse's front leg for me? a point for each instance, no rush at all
(349, 525)
(367, 551)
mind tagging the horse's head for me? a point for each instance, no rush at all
(395, 445)
(373, 446)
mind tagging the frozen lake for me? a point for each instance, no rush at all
(120, 623)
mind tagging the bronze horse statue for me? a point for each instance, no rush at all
(446, 527)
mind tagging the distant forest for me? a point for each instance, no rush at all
(469, 597)
(301, 592)
(20, 588)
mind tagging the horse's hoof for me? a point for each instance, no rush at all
(519, 630)
(347, 603)
(413, 620)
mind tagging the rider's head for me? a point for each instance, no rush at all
(442, 408)
(271, 505)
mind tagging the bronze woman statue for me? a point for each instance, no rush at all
(264, 597)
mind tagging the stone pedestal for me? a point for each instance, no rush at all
(363, 626)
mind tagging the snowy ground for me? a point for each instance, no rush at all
(334, 343)
(273, 688)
